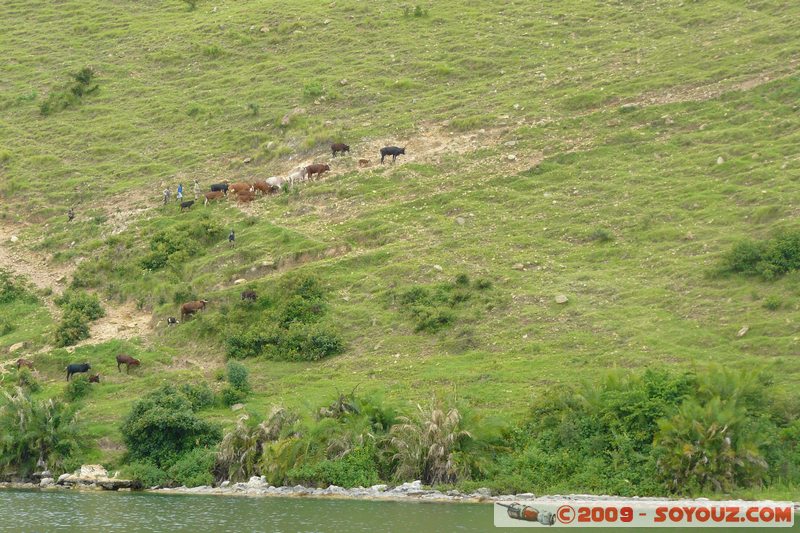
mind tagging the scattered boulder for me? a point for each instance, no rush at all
(720, 160)
(511, 157)
(510, 143)
(627, 108)
(438, 268)
(15, 347)
(742, 332)
(95, 476)
(14, 238)
(518, 266)
(460, 221)
(561, 299)
(237, 407)
(247, 159)
(239, 281)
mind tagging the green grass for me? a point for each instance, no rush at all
(626, 212)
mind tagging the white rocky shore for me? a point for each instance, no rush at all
(95, 477)
(413, 491)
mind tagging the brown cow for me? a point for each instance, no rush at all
(317, 169)
(249, 295)
(245, 197)
(241, 187)
(363, 162)
(265, 187)
(94, 379)
(339, 147)
(211, 196)
(190, 308)
(24, 362)
(126, 360)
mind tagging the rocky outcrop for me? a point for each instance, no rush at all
(96, 477)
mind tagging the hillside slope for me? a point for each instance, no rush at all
(610, 154)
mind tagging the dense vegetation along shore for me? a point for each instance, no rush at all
(580, 275)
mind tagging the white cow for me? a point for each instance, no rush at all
(276, 181)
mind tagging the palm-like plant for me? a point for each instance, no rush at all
(36, 433)
(708, 446)
(429, 445)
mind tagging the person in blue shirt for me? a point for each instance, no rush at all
(179, 196)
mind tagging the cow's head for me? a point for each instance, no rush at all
(403, 150)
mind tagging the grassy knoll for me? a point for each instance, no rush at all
(612, 154)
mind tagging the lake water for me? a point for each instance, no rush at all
(35, 511)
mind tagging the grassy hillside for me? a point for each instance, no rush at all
(609, 153)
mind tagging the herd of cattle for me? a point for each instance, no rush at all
(244, 192)
(81, 368)
(248, 191)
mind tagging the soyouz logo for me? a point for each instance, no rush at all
(550, 513)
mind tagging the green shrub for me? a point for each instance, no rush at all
(74, 327)
(601, 235)
(230, 395)
(6, 326)
(769, 259)
(31, 431)
(773, 303)
(200, 396)
(306, 343)
(302, 310)
(312, 90)
(356, 469)
(71, 94)
(26, 380)
(77, 388)
(193, 469)
(81, 302)
(237, 376)
(13, 289)
(162, 426)
(146, 473)
(436, 307)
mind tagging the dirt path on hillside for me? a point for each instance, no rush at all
(120, 322)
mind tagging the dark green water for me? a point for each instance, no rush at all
(106, 511)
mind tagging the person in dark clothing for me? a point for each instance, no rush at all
(70, 215)
(232, 238)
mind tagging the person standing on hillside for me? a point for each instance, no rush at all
(179, 194)
(166, 196)
(70, 215)
(232, 238)
(196, 189)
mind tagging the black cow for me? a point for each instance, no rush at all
(220, 187)
(172, 321)
(77, 368)
(249, 295)
(187, 204)
(393, 151)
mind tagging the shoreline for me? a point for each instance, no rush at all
(407, 492)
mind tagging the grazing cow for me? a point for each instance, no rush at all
(187, 204)
(126, 360)
(363, 163)
(94, 379)
(393, 151)
(241, 187)
(246, 196)
(265, 187)
(249, 295)
(217, 187)
(299, 174)
(339, 147)
(190, 308)
(211, 196)
(276, 182)
(24, 362)
(77, 368)
(317, 169)
(171, 321)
